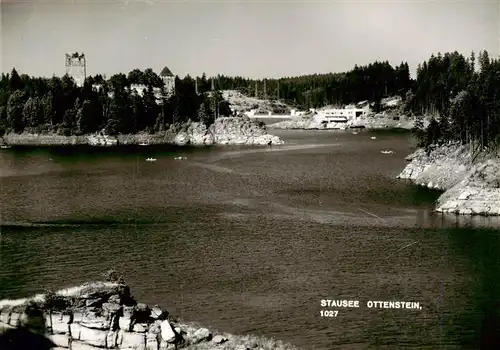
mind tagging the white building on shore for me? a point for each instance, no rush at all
(338, 115)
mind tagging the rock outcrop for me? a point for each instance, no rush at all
(104, 315)
(241, 130)
(471, 183)
(224, 131)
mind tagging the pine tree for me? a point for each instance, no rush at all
(15, 106)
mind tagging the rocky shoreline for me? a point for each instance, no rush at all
(379, 121)
(104, 315)
(471, 182)
(224, 131)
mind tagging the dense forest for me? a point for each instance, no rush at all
(42, 105)
(464, 98)
(371, 82)
(459, 92)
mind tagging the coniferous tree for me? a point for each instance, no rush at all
(32, 112)
(15, 106)
(84, 120)
(15, 81)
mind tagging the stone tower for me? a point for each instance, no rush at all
(168, 81)
(76, 67)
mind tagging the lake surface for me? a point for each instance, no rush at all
(250, 240)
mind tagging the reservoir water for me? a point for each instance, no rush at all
(250, 240)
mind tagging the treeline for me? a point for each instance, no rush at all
(56, 104)
(371, 82)
(464, 97)
(461, 93)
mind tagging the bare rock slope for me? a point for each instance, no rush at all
(241, 103)
(471, 182)
(370, 121)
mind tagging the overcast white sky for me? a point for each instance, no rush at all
(249, 38)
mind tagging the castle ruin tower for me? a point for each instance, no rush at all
(76, 67)
(168, 81)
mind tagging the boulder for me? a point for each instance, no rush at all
(135, 341)
(15, 319)
(95, 321)
(60, 340)
(167, 333)
(112, 339)
(125, 323)
(128, 311)
(152, 341)
(78, 315)
(155, 327)
(200, 335)
(219, 339)
(5, 316)
(157, 313)
(60, 323)
(115, 298)
(94, 337)
(110, 309)
(140, 327)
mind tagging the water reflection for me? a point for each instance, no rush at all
(436, 220)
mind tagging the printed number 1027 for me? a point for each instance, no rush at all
(329, 313)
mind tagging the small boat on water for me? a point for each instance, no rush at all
(373, 137)
(355, 133)
(180, 158)
(150, 159)
(387, 152)
(5, 146)
(143, 144)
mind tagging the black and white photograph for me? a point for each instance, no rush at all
(249, 174)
